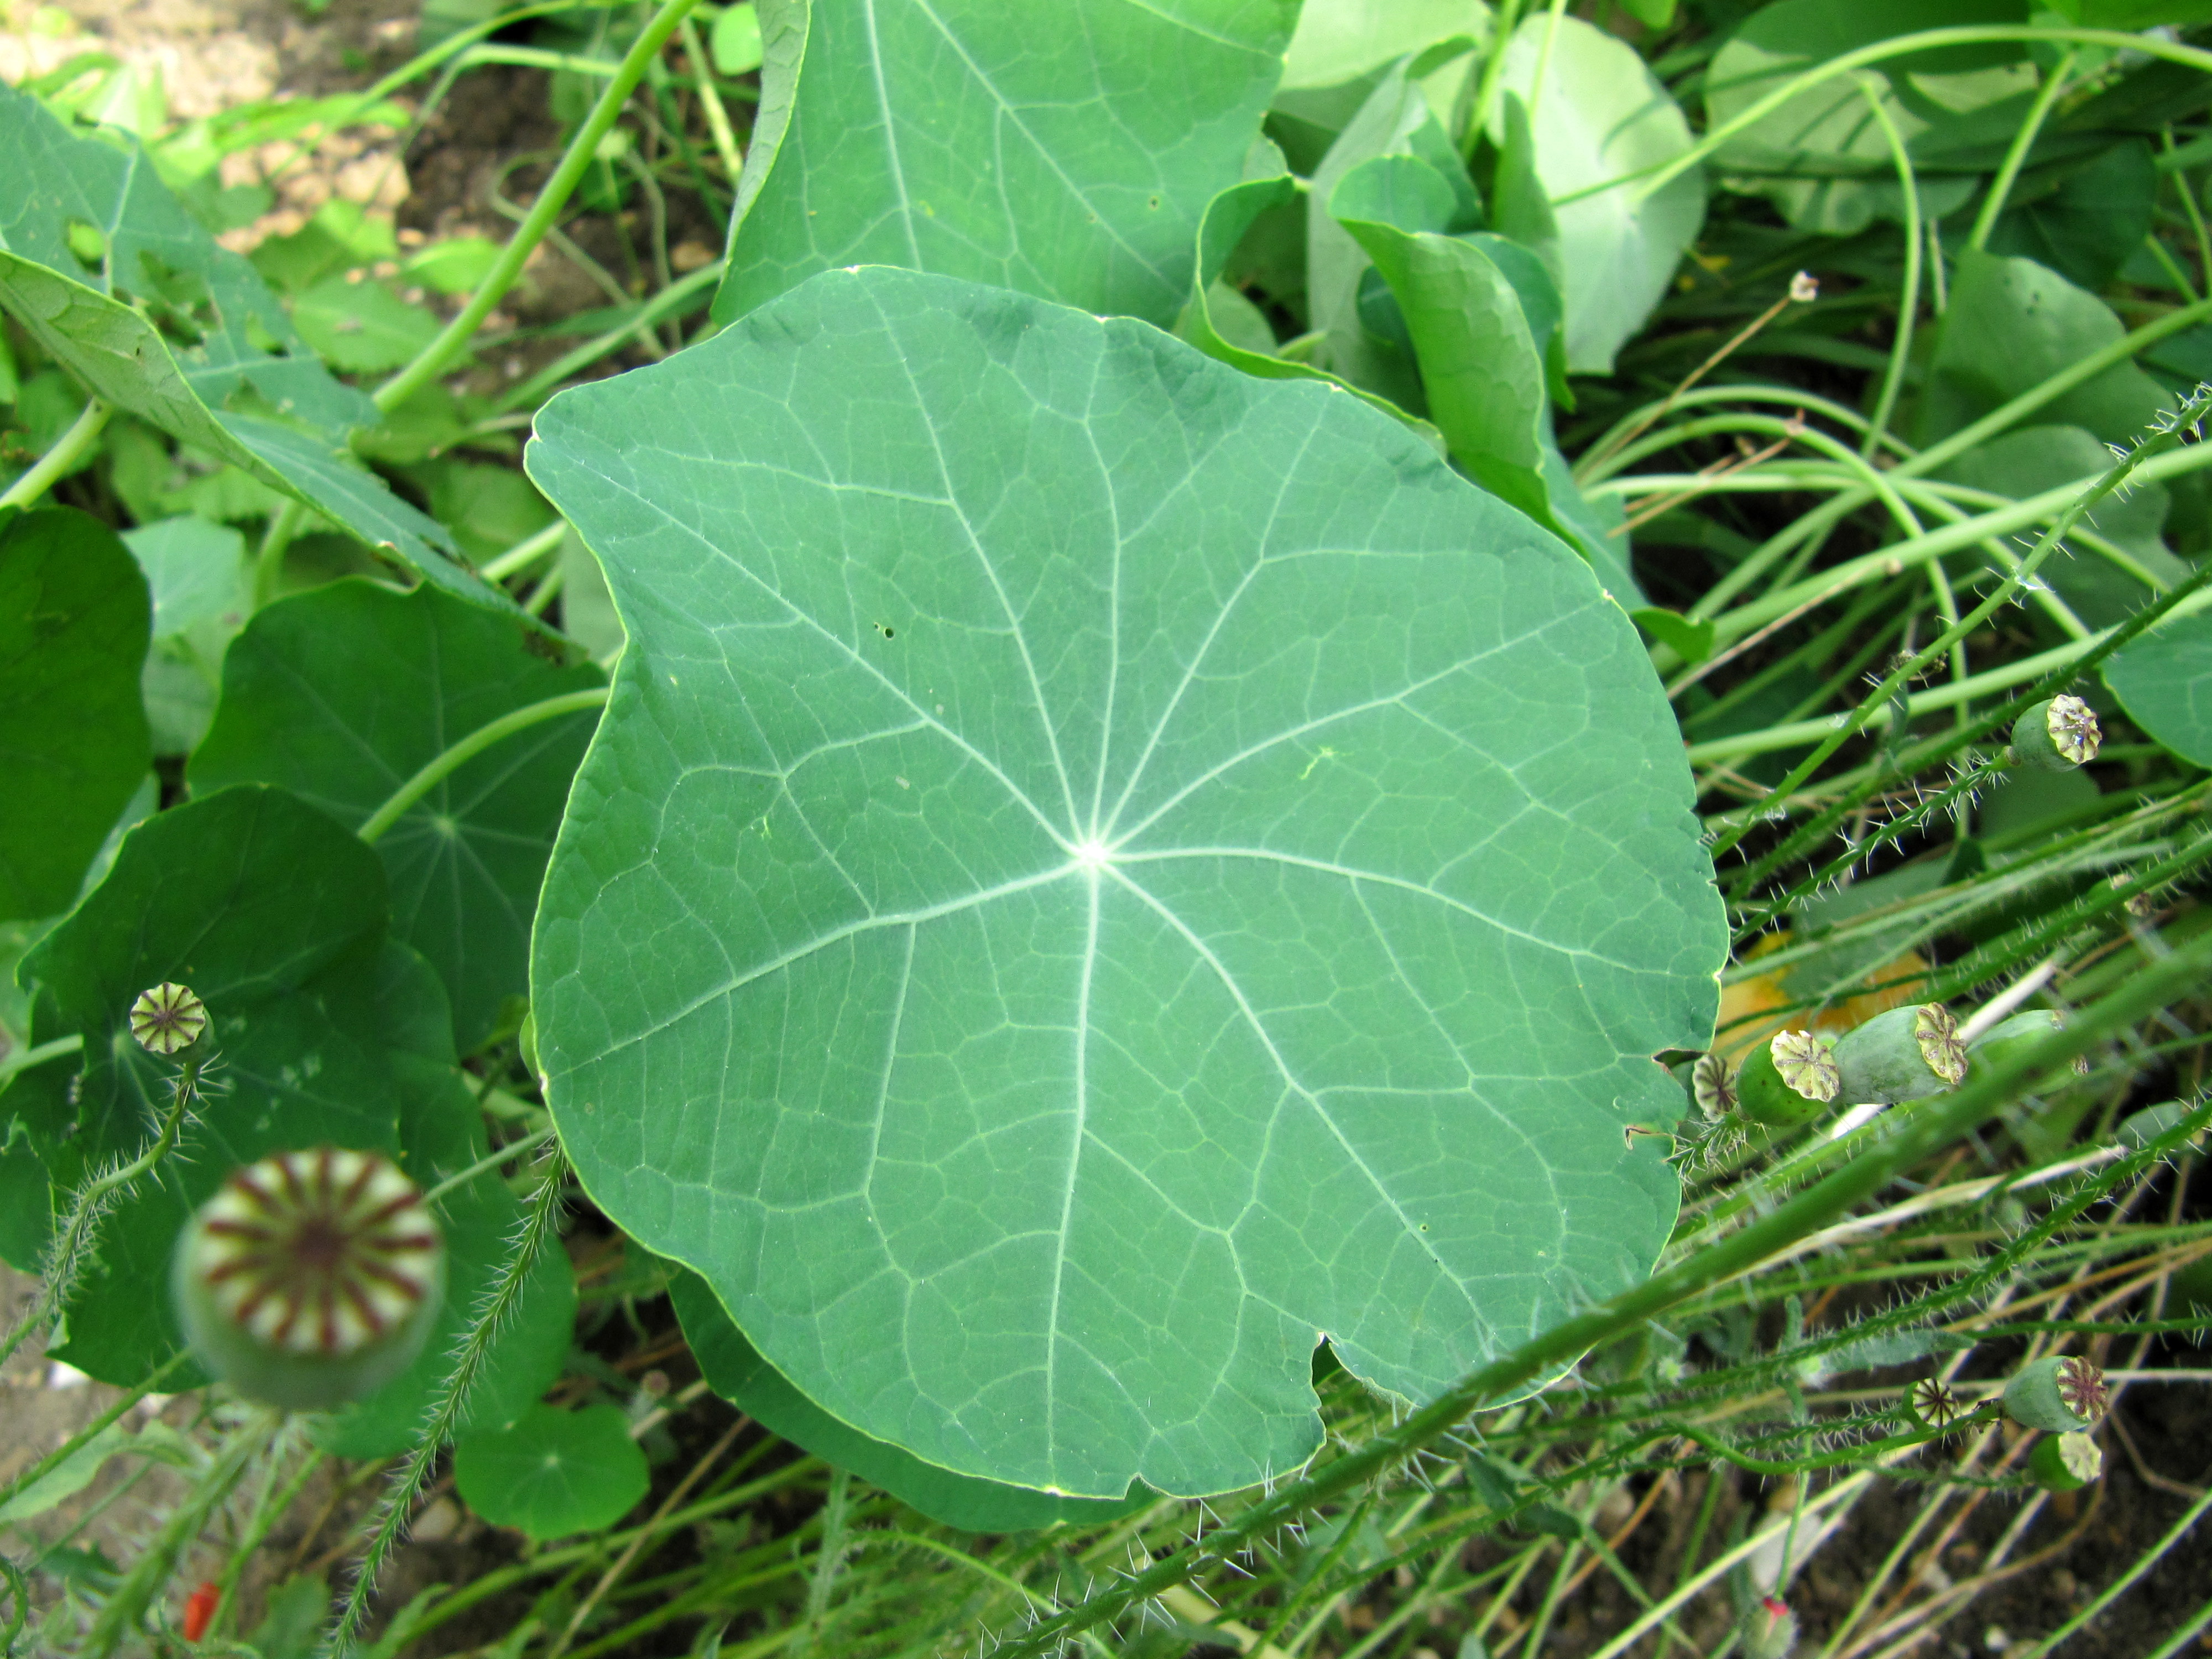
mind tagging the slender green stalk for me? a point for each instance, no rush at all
(669, 299)
(467, 749)
(1908, 302)
(432, 360)
(275, 540)
(2187, 1632)
(525, 552)
(1494, 67)
(1980, 1098)
(56, 462)
(710, 99)
(2016, 156)
(40, 1054)
(490, 1161)
(2113, 1592)
(85, 1436)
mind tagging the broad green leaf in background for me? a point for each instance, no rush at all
(75, 619)
(2084, 219)
(156, 1440)
(1343, 48)
(1822, 158)
(2132, 14)
(202, 588)
(2164, 680)
(1601, 114)
(165, 324)
(2011, 324)
(345, 692)
(1100, 874)
(275, 917)
(1067, 157)
(735, 1370)
(361, 327)
(736, 42)
(555, 1473)
(2032, 459)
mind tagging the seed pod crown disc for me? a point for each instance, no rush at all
(312, 1278)
(1907, 1054)
(2058, 735)
(1787, 1080)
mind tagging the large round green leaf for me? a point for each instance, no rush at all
(2164, 680)
(1099, 874)
(1068, 152)
(345, 692)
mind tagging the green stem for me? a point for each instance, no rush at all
(710, 99)
(1795, 1218)
(525, 552)
(828, 1553)
(490, 1161)
(56, 462)
(1847, 1455)
(443, 766)
(432, 360)
(2016, 157)
(40, 1055)
(668, 299)
(1493, 66)
(269, 561)
(85, 1436)
(1908, 302)
(2113, 1592)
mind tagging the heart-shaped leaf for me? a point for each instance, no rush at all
(555, 1473)
(1100, 873)
(1068, 156)
(2164, 680)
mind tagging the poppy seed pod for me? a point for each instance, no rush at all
(2015, 1035)
(2056, 735)
(1770, 1629)
(1906, 1053)
(2065, 1462)
(167, 1019)
(2057, 1395)
(311, 1277)
(1786, 1080)
(1712, 1085)
(1934, 1403)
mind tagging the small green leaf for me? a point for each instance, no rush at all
(1692, 642)
(2164, 680)
(1601, 114)
(555, 1473)
(2083, 220)
(736, 43)
(345, 692)
(1109, 870)
(75, 619)
(201, 584)
(361, 327)
(1055, 159)
(455, 265)
(735, 1370)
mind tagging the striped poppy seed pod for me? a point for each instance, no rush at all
(311, 1277)
(2057, 1395)
(1712, 1085)
(2056, 735)
(167, 1019)
(2065, 1462)
(1787, 1080)
(2016, 1035)
(1934, 1403)
(1906, 1053)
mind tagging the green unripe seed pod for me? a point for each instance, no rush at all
(311, 1277)
(2065, 1462)
(2056, 735)
(1712, 1085)
(167, 1019)
(2057, 1395)
(1906, 1053)
(1786, 1080)
(2015, 1035)
(1934, 1403)
(1770, 1629)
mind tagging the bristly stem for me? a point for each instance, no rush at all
(432, 360)
(441, 767)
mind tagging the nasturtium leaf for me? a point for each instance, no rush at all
(735, 1370)
(1100, 873)
(1338, 40)
(2083, 221)
(2164, 680)
(75, 619)
(361, 327)
(1068, 156)
(2011, 324)
(554, 1473)
(345, 692)
(2133, 14)
(272, 914)
(1600, 115)
(165, 324)
(202, 588)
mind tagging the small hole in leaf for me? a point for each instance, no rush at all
(90, 245)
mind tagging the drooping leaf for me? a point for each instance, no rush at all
(1601, 114)
(202, 592)
(1692, 642)
(274, 915)
(554, 1473)
(2164, 680)
(161, 321)
(1099, 874)
(361, 327)
(2011, 324)
(75, 619)
(735, 1370)
(1068, 159)
(1822, 156)
(343, 693)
